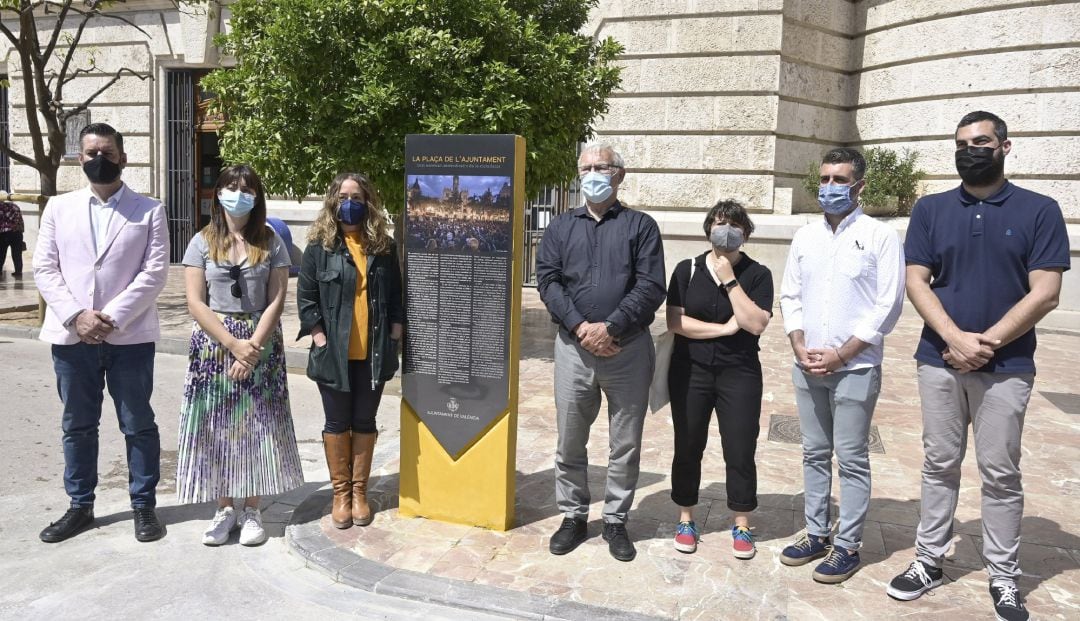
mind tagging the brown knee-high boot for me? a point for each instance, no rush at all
(363, 446)
(339, 461)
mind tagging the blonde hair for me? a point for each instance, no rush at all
(257, 236)
(326, 229)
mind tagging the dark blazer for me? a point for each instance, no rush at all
(325, 294)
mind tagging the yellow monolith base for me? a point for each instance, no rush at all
(477, 489)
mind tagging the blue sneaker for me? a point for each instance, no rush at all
(804, 550)
(686, 537)
(838, 566)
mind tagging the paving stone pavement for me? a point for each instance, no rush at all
(512, 573)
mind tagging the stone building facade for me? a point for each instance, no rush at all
(720, 98)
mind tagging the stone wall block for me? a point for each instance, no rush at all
(747, 112)
(737, 152)
(795, 157)
(1005, 71)
(641, 37)
(814, 84)
(675, 75)
(645, 113)
(107, 59)
(632, 8)
(818, 122)
(816, 47)
(672, 152)
(875, 15)
(126, 89)
(1039, 25)
(699, 191)
(833, 15)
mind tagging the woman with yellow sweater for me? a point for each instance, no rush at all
(349, 294)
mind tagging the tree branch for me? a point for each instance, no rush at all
(67, 57)
(99, 13)
(63, 116)
(10, 36)
(19, 157)
(57, 28)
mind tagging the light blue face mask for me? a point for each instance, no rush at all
(236, 203)
(835, 199)
(596, 187)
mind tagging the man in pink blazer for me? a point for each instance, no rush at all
(101, 260)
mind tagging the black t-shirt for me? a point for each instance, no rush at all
(703, 299)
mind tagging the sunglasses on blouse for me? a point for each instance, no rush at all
(234, 273)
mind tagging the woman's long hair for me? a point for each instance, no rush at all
(256, 234)
(326, 229)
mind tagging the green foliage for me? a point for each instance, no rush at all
(891, 178)
(323, 86)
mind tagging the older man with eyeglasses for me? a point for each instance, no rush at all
(600, 272)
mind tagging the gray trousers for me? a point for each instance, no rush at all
(624, 379)
(834, 415)
(994, 404)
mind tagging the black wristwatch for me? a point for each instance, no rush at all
(731, 284)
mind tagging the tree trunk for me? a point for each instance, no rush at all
(47, 182)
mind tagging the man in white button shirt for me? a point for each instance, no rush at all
(842, 292)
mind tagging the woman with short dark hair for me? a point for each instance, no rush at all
(718, 305)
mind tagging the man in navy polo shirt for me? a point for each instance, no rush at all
(984, 265)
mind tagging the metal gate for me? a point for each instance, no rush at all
(180, 160)
(540, 211)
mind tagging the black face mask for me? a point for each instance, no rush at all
(101, 170)
(979, 165)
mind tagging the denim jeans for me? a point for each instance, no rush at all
(834, 415)
(82, 374)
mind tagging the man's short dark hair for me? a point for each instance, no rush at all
(733, 212)
(1001, 131)
(846, 155)
(103, 129)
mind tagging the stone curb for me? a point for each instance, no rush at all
(295, 358)
(306, 539)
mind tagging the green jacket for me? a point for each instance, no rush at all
(325, 293)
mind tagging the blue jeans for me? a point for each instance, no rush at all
(82, 374)
(834, 415)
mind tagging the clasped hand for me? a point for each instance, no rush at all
(818, 361)
(968, 351)
(93, 326)
(246, 354)
(595, 339)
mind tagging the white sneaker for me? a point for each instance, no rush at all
(223, 523)
(251, 528)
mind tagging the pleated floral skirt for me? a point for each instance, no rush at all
(236, 437)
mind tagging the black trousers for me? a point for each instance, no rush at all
(734, 392)
(355, 409)
(13, 240)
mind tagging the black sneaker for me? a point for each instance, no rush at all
(918, 579)
(75, 521)
(619, 543)
(570, 535)
(1007, 604)
(147, 525)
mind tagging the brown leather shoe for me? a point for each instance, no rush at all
(338, 447)
(363, 447)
